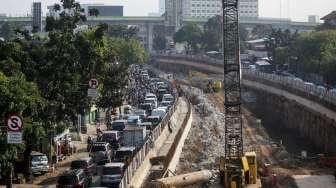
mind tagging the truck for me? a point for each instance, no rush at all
(134, 136)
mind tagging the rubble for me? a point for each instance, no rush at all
(204, 143)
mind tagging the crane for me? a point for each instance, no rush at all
(236, 168)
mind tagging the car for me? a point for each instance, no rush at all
(39, 163)
(119, 125)
(101, 152)
(333, 91)
(112, 174)
(111, 137)
(147, 124)
(147, 106)
(73, 179)
(87, 164)
(155, 120)
(150, 96)
(124, 154)
(133, 120)
(141, 113)
(321, 89)
(158, 112)
(161, 92)
(165, 104)
(168, 97)
(152, 101)
(163, 108)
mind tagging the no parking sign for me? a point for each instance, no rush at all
(14, 129)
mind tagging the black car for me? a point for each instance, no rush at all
(87, 164)
(73, 178)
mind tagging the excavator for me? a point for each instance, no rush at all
(236, 168)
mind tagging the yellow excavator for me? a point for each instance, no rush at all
(204, 82)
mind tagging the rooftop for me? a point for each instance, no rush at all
(330, 16)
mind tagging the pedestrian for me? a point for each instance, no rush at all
(335, 173)
(89, 143)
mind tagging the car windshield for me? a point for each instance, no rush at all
(118, 124)
(78, 164)
(122, 154)
(148, 100)
(38, 158)
(98, 148)
(111, 170)
(109, 136)
(67, 180)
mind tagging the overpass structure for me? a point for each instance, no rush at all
(146, 24)
(304, 108)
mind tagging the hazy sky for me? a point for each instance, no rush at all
(295, 9)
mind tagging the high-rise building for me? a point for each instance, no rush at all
(174, 13)
(37, 16)
(209, 8)
(313, 19)
(162, 7)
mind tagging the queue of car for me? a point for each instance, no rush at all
(150, 100)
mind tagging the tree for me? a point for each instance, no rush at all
(122, 31)
(22, 97)
(277, 39)
(315, 54)
(160, 43)
(121, 53)
(212, 36)
(191, 35)
(261, 31)
(6, 30)
(93, 12)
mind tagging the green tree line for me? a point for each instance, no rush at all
(206, 38)
(45, 79)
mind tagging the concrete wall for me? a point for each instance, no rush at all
(308, 123)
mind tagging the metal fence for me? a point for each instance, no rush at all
(293, 85)
(140, 156)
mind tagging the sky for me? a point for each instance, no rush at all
(297, 10)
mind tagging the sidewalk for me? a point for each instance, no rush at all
(49, 180)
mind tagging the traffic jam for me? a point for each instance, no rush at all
(111, 150)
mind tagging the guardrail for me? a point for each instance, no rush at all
(293, 85)
(176, 141)
(145, 149)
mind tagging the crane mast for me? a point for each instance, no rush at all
(232, 78)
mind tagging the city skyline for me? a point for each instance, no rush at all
(297, 10)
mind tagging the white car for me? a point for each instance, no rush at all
(168, 97)
(159, 112)
(150, 96)
(151, 100)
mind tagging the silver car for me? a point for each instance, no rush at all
(112, 174)
(39, 163)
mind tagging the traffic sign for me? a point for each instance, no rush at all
(14, 137)
(93, 83)
(93, 93)
(14, 123)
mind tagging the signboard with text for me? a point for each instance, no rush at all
(14, 129)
